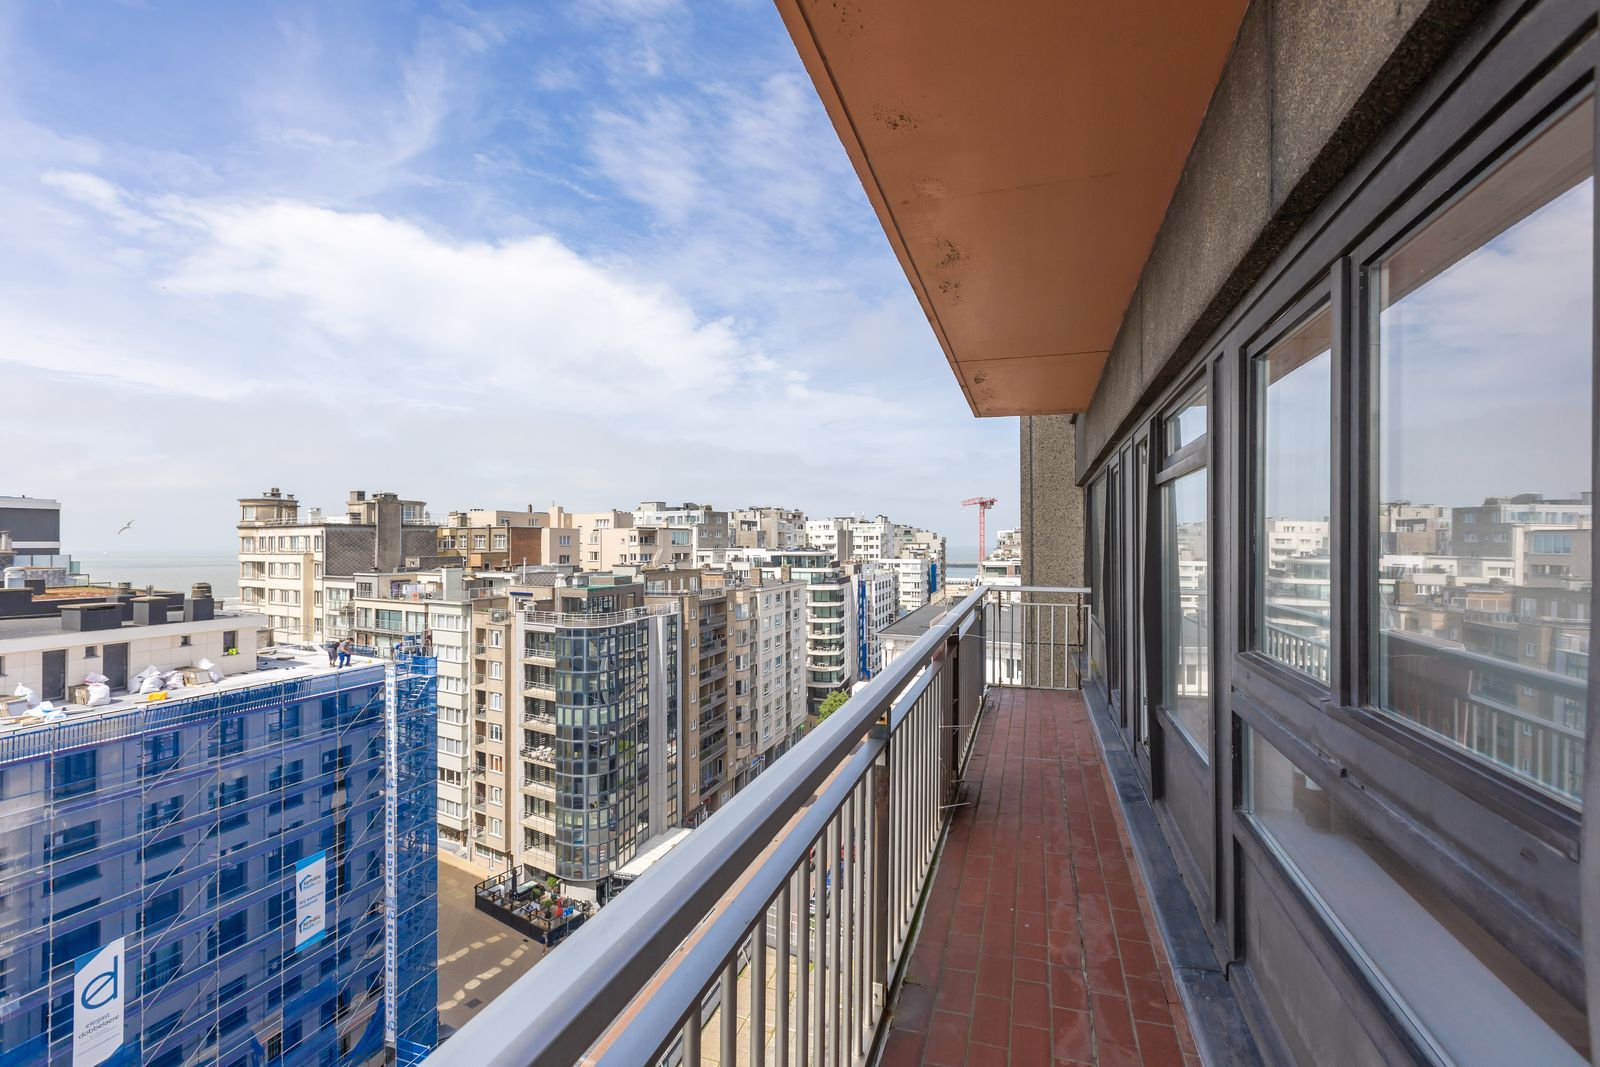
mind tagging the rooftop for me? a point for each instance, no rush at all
(917, 623)
(273, 665)
(46, 625)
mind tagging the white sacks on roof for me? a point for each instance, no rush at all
(99, 693)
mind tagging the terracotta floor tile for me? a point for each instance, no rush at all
(1030, 1045)
(947, 1039)
(991, 1020)
(1158, 1045)
(1111, 1019)
(1072, 1039)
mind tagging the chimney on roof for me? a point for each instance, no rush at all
(149, 610)
(200, 607)
(79, 618)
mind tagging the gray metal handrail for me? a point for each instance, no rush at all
(605, 965)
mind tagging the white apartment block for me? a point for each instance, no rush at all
(917, 580)
(710, 527)
(877, 538)
(284, 558)
(767, 626)
(831, 536)
(767, 527)
(875, 600)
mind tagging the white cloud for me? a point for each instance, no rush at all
(99, 194)
(379, 286)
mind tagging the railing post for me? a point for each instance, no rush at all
(949, 717)
(880, 870)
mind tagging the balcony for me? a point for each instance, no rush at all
(983, 902)
(543, 755)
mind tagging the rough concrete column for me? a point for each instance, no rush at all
(1052, 503)
(1049, 625)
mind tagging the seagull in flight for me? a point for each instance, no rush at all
(126, 526)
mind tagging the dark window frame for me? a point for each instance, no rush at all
(1513, 72)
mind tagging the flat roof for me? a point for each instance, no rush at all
(273, 664)
(918, 622)
(651, 852)
(45, 625)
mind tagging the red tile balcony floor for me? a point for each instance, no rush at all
(1037, 944)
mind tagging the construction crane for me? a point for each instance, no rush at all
(983, 504)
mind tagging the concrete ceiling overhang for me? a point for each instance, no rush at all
(1020, 155)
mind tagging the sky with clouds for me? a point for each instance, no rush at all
(482, 255)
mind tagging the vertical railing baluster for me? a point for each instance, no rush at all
(758, 990)
(691, 1036)
(863, 927)
(802, 1003)
(851, 956)
(882, 844)
(729, 1050)
(835, 924)
(819, 953)
(781, 1014)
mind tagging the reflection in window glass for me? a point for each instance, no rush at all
(1485, 513)
(1188, 425)
(1186, 620)
(1493, 1009)
(1293, 554)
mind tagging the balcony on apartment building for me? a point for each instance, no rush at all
(1248, 273)
(938, 870)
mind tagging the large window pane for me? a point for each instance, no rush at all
(1485, 514)
(1293, 557)
(1492, 1010)
(1187, 619)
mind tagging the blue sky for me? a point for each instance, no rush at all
(485, 255)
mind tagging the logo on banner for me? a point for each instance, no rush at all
(98, 990)
(310, 901)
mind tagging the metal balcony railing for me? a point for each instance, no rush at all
(803, 890)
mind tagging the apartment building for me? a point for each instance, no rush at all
(494, 771)
(767, 628)
(706, 761)
(877, 538)
(1413, 529)
(711, 528)
(430, 609)
(254, 844)
(575, 725)
(832, 536)
(768, 527)
(875, 601)
(830, 630)
(922, 544)
(918, 581)
(497, 540)
(607, 539)
(284, 558)
(31, 525)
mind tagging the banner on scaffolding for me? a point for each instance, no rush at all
(99, 990)
(310, 901)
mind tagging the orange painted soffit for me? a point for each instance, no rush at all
(1020, 156)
